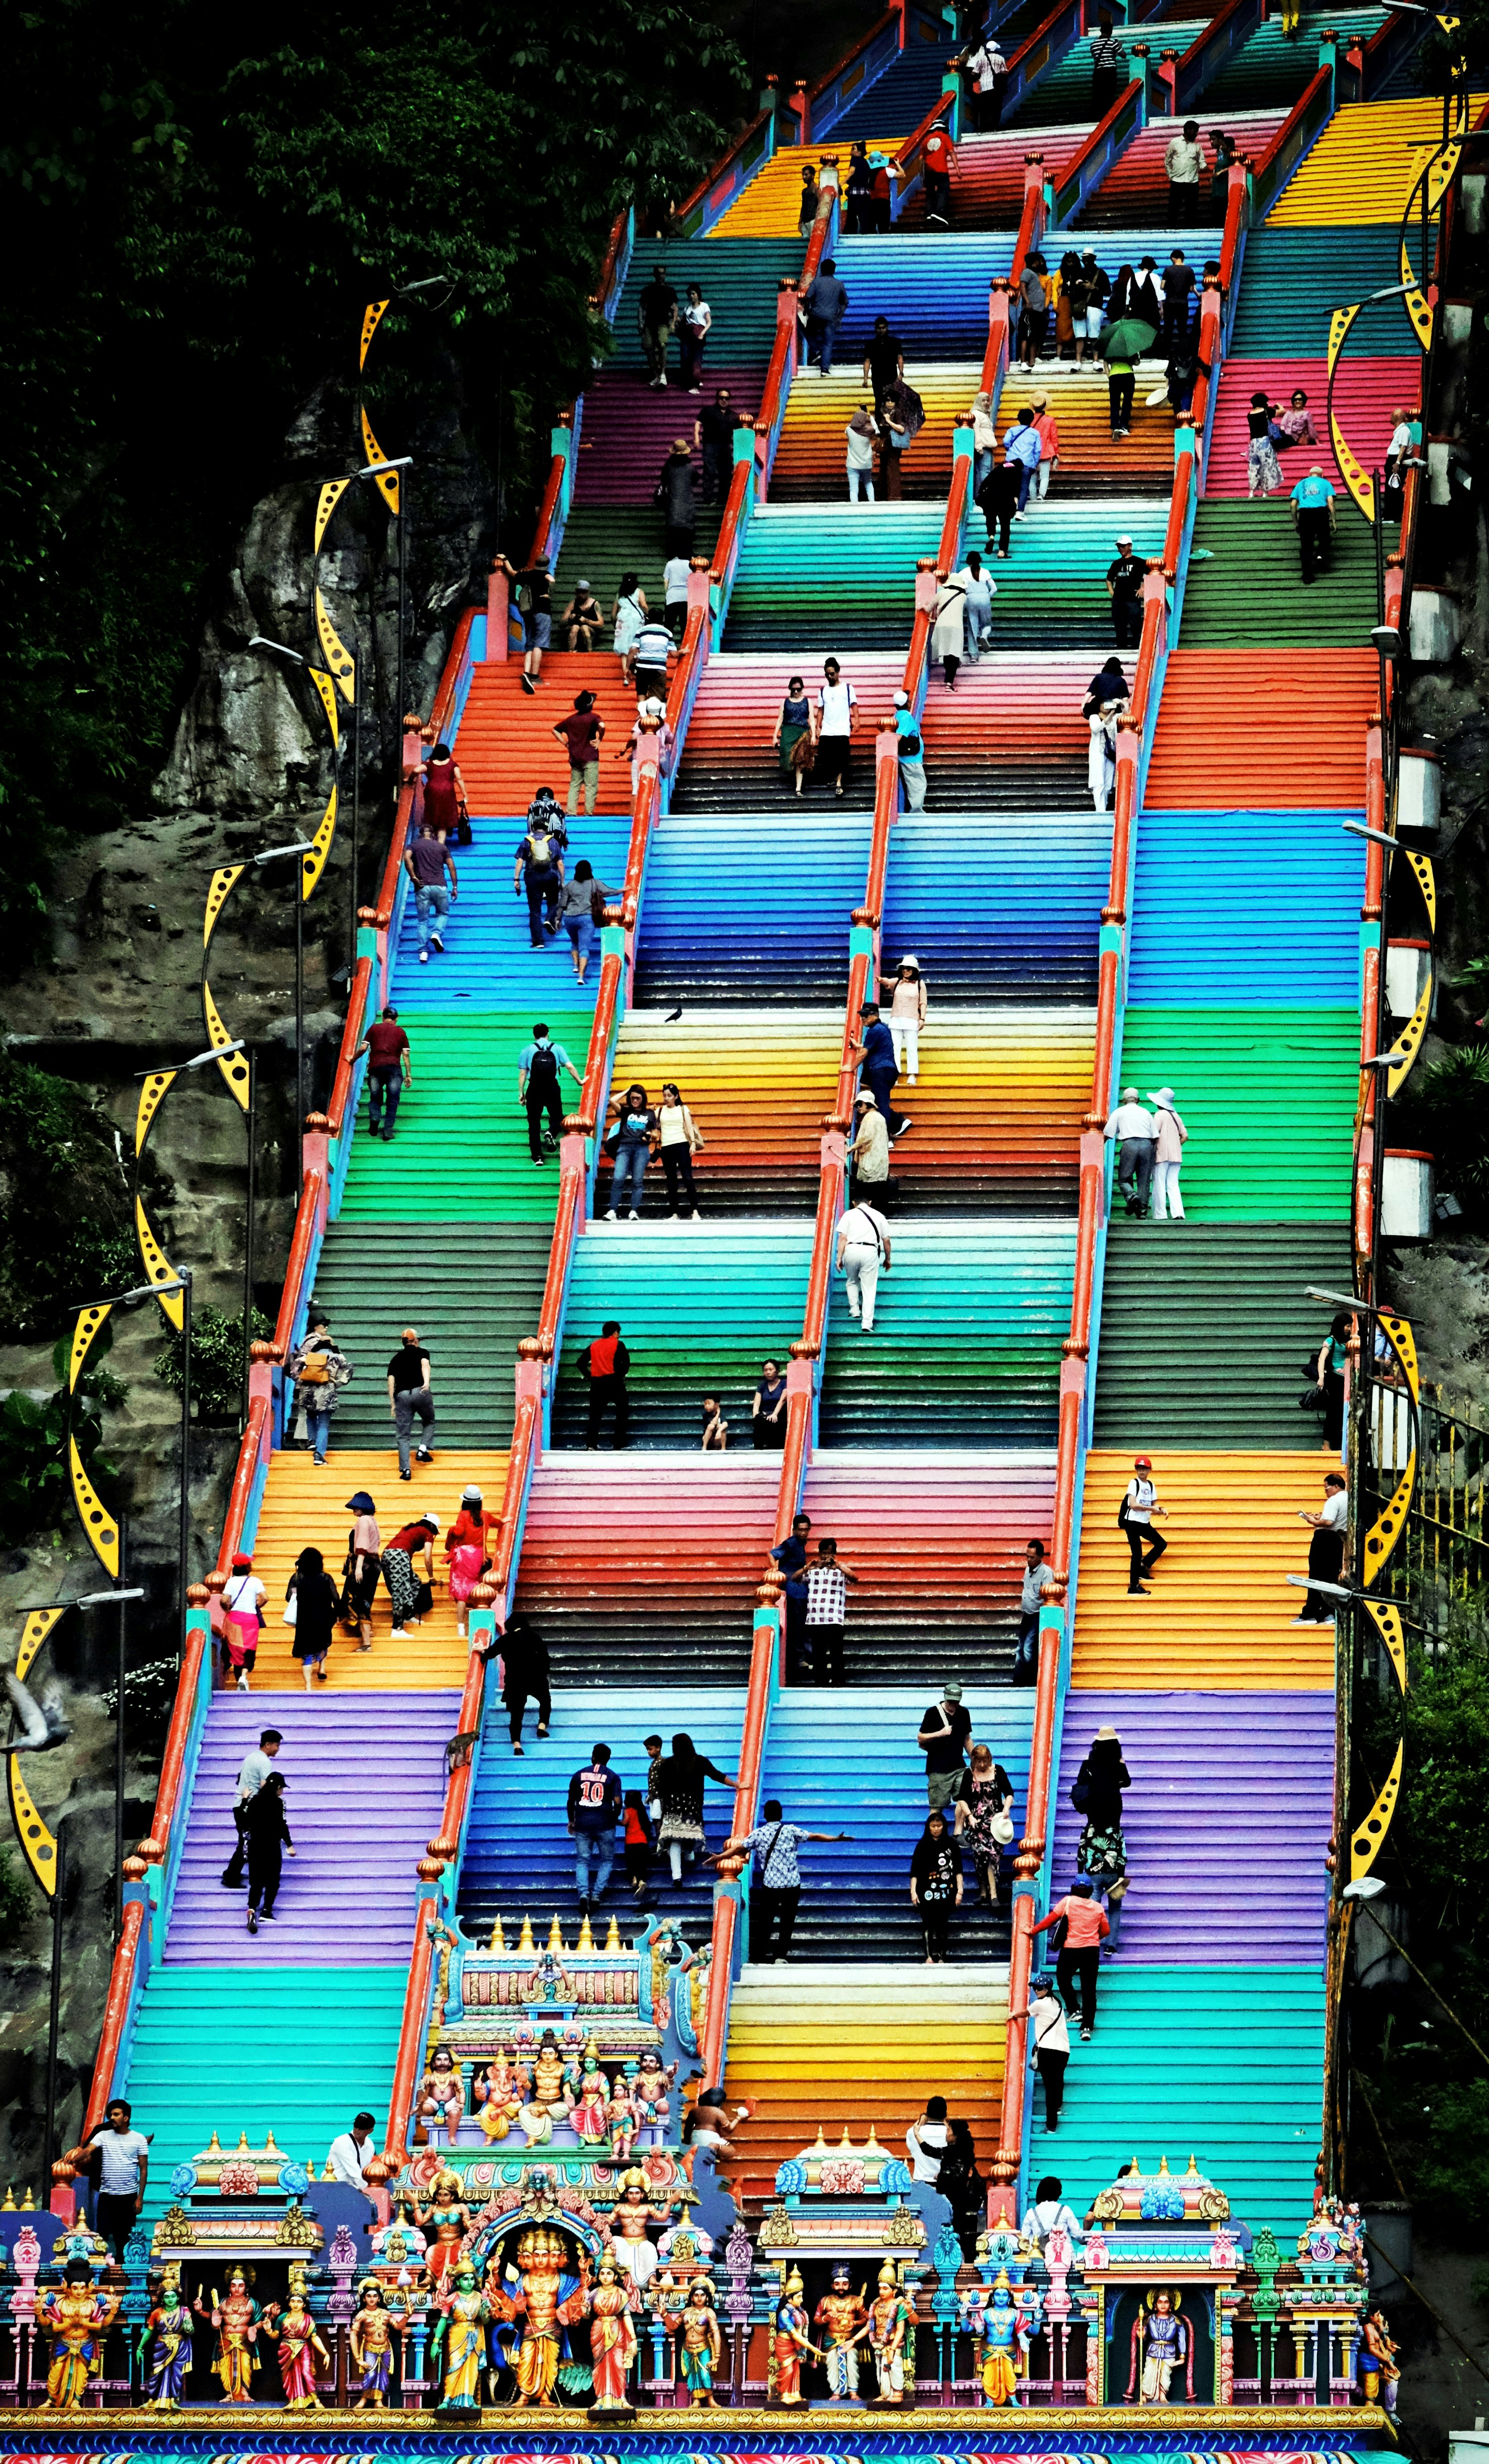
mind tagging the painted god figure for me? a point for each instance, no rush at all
(298, 2348)
(539, 2308)
(76, 2318)
(460, 2333)
(441, 2098)
(1160, 2341)
(165, 2344)
(612, 2340)
(1005, 2342)
(548, 2099)
(371, 2340)
(631, 2246)
(651, 2097)
(1375, 2365)
(620, 2115)
(236, 2321)
(447, 2218)
(700, 2343)
(498, 2095)
(591, 2098)
(842, 2317)
(791, 2335)
(888, 2331)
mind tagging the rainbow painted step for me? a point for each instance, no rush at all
(751, 906)
(1022, 924)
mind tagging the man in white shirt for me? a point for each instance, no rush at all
(346, 2155)
(124, 2156)
(926, 2140)
(674, 585)
(1325, 1549)
(1183, 162)
(832, 724)
(1132, 1132)
(988, 69)
(1140, 1505)
(863, 1247)
(253, 1773)
(1037, 1580)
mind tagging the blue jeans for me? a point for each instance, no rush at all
(981, 464)
(318, 1427)
(631, 1171)
(829, 337)
(1025, 483)
(435, 895)
(386, 1088)
(594, 1855)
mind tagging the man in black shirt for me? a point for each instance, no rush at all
(410, 1390)
(714, 432)
(656, 316)
(534, 598)
(884, 360)
(943, 1737)
(1125, 589)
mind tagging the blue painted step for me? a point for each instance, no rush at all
(750, 905)
(1012, 917)
(1279, 910)
(489, 962)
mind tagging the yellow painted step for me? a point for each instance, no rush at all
(305, 1508)
(1363, 167)
(769, 207)
(1220, 1609)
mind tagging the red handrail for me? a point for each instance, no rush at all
(307, 1218)
(116, 2012)
(351, 1038)
(250, 1450)
(607, 263)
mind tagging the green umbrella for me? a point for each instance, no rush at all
(1127, 339)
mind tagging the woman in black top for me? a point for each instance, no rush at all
(960, 2181)
(680, 1780)
(1102, 1853)
(268, 1836)
(524, 1661)
(936, 1885)
(768, 1410)
(317, 1600)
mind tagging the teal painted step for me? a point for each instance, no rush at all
(298, 2051)
(603, 541)
(472, 1290)
(701, 1305)
(1294, 275)
(1247, 593)
(1051, 595)
(1064, 92)
(1225, 2064)
(741, 278)
(833, 577)
(1267, 1097)
(1202, 1339)
(1268, 68)
(460, 1152)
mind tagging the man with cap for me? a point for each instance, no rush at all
(1168, 1136)
(253, 1772)
(910, 746)
(878, 1067)
(1130, 1130)
(533, 587)
(863, 1247)
(410, 1392)
(1125, 589)
(868, 1151)
(943, 1737)
(1140, 1508)
(1023, 446)
(939, 156)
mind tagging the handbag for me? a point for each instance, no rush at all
(292, 1611)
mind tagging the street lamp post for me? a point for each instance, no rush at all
(102, 1600)
(295, 847)
(377, 471)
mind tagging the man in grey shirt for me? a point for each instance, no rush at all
(826, 304)
(255, 1768)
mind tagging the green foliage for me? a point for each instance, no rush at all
(35, 1492)
(1451, 1106)
(66, 1224)
(216, 1361)
(20, 1897)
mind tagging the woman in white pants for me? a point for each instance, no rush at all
(906, 1013)
(1167, 1153)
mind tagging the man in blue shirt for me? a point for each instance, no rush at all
(539, 1064)
(790, 1559)
(595, 1802)
(1023, 446)
(878, 1070)
(1313, 520)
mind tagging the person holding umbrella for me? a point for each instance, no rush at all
(1122, 345)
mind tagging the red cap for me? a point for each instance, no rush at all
(1142, 1463)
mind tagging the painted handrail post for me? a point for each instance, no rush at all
(799, 104)
(560, 444)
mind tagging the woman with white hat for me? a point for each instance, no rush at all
(1170, 1134)
(908, 1007)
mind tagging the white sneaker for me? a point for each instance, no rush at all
(610, 1215)
(243, 1685)
(633, 1217)
(400, 1633)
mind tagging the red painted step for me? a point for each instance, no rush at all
(1262, 730)
(508, 749)
(1366, 395)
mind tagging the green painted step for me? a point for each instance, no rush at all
(461, 1153)
(1248, 594)
(1268, 1100)
(1202, 1338)
(298, 2051)
(603, 541)
(1223, 2064)
(472, 1290)
(1297, 273)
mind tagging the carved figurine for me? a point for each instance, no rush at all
(1005, 2343)
(166, 2338)
(842, 2316)
(447, 2218)
(1375, 2365)
(700, 2348)
(442, 2096)
(78, 2318)
(1161, 2339)
(371, 2340)
(591, 2098)
(236, 2321)
(620, 2115)
(538, 2310)
(612, 2340)
(888, 2330)
(651, 2097)
(631, 2246)
(498, 2094)
(461, 2330)
(548, 2099)
(298, 2348)
(791, 2335)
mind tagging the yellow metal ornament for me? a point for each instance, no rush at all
(327, 691)
(386, 480)
(372, 317)
(1356, 478)
(326, 502)
(1369, 1839)
(153, 1092)
(1390, 1522)
(1397, 1331)
(1386, 1620)
(86, 1328)
(1409, 1042)
(232, 1065)
(334, 651)
(100, 1528)
(38, 1844)
(158, 1268)
(314, 865)
(224, 881)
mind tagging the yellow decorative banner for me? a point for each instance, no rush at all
(1367, 1841)
(372, 317)
(386, 480)
(100, 1528)
(234, 1067)
(314, 865)
(158, 1268)
(38, 1845)
(1358, 481)
(1426, 882)
(219, 890)
(1397, 1331)
(152, 1094)
(331, 493)
(1389, 1525)
(1409, 1042)
(327, 691)
(1387, 1622)
(1416, 300)
(334, 651)
(85, 1327)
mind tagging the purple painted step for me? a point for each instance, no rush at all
(365, 1791)
(1227, 1822)
(628, 430)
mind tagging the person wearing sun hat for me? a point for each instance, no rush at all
(909, 1000)
(1139, 1507)
(1168, 1136)
(364, 1564)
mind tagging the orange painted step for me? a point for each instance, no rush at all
(1218, 1612)
(1262, 730)
(507, 747)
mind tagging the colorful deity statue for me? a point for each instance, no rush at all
(460, 2330)
(1160, 2341)
(651, 2097)
(622, 2120)
(371, 2340)
(632, 2245)
(1375, 2365)
(236, 2321)
(447, 2218)
(889, 2319)
(498, 2095)
(791, 2335)
(612, 2340)
(539, 2309)
(298, 2347)
(842, 2317)
(441, 2101)
(166, 2338)
(547, 2087)
(1005, 2334)
(700, 2343)
(77, 2316)
(400, 2244)
(591, 2097)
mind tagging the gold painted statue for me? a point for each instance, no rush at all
(461, 2328)
(542, 2256)
(78, 2317)
(371, 2340)
(497, 2093)
(888, 2330)
(236, 2321)
(700, 2348)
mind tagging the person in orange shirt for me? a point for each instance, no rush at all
(1049, 444)
(1080, 1956)
(940, 161)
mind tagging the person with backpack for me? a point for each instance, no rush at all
(603, 1364)
(1049, 2048)
(595, 1800)
(537, 865)
(318, 1370)
(581, 912)
(1081, 1928)
(863, 1249)
(1048, 2213)
(961, 2184)
(776, 1884)
(539, 1064)
(1136, 1515)
(1102, 1855)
